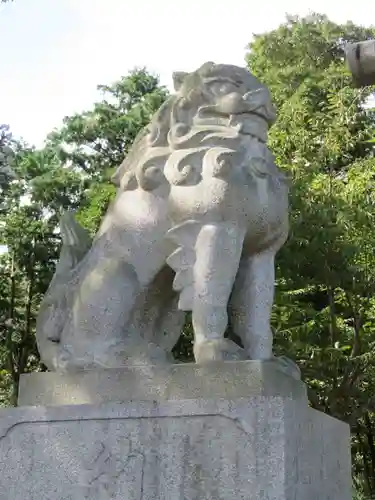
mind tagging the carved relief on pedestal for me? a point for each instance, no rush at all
(111, 475)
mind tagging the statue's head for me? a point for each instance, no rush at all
(224, 95)
(218, 109)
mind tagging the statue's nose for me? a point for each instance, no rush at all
(232, 103)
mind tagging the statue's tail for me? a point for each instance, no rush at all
(76, 242)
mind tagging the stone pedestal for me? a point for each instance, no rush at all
(235, 431)
(229, 380)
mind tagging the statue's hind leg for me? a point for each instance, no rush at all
(251, 304)
(206, 264)
(250, 309)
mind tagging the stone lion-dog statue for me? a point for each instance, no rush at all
(200, 213)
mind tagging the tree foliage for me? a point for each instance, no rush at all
(324, 311)
(95, 142)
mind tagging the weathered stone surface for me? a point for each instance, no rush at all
(267, 448)
(200, 212)
(178, 382)
(223, 431)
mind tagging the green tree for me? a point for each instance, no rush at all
(95, 142)
(28, 222)
(324, 310)
(7, 152)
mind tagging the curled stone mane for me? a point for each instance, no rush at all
(203, 124)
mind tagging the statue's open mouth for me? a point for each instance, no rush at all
(247, 123)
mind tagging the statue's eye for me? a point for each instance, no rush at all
(222, 88)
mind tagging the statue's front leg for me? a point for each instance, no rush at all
(206, 264)
(251, 304)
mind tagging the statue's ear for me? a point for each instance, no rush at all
(178, 79)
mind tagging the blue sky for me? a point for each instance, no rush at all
(55, 52)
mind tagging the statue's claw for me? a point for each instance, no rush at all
(218, 350)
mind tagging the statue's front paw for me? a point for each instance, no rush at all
(217, 350)
(66, 362)
(62, 360)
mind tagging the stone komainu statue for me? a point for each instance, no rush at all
(200, 212)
